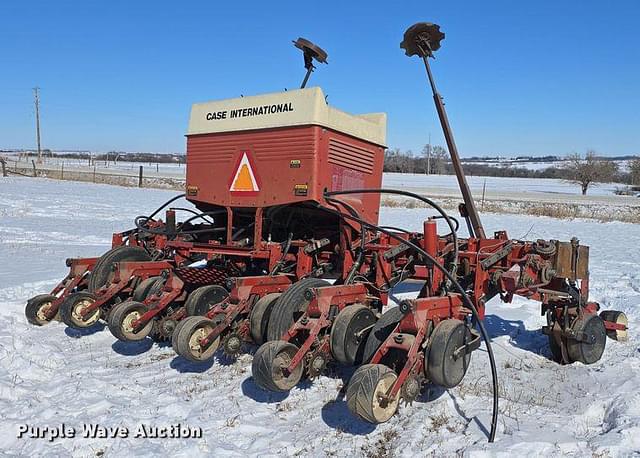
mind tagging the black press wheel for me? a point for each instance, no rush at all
(121, 321)
(203, 299)
(36, 308)
(591, 338)
(103, 270)
(147, 288)
(380, 331)
(349, 333)
(259, 317)
(186, 342)
(367, 393)
(71, 310)
(270, 362)
(290, 306)
(443, 368)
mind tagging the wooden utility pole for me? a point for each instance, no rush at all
(36, 95)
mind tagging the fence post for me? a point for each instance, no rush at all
(62, 172)
(33, 163)
(94, 172)
(140, 177)
(4, 168)
(484, 188)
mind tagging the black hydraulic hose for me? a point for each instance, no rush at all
(466, 300)
(179, 196)
(396, 229)
(202, 215)
(195, 214)
(426, 200)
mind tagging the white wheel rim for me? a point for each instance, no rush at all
(198, 336)
(127, 323)
(382, 411)
(621, 334)
(42, 310)
(77, 312)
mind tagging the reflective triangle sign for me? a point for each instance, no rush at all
(244, 180)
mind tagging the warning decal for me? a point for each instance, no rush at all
(244, 180)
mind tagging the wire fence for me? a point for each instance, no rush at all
(92, 176)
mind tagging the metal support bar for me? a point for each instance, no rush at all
(455, 157)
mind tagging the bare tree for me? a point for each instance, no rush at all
(589, 170)
(439, 160)
(634, 168)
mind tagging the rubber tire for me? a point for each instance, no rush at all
(582, 351)
(259, 317)
(176, 332)
(380, 332)
(361, 392)
(117, 316)
(102, 270)
(556, 351)
(183, 338)
(291, 302)
(442, 369)
(263, 371)
(68, 305)
(616, 316)
(203, 299)
(343, 333)
(147, 288)
(34, 305)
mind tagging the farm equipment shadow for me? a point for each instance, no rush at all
(77, 333)
(183, 365)
(533, 341)
(132, 348)
(253, 391)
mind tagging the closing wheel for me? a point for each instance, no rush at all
(270, 363)
(71, 310)
(367, 393)
(186, 342)
(556, 350)
(37, 307)
(442, 366)
(349, 333)
(380, 331)
(121, 321)
(614, 316)
(259, 317)
(203, 299)
(590, 339)
(147, 288)
(176, 331)
(290, 306)
(103, 270)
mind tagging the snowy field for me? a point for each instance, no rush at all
(535, 186)
(52, 375)
(523, 189)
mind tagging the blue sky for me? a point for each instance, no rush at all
(543, 77)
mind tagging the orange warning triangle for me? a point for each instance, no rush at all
(244, 179)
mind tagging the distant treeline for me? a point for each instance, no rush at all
(439, 164)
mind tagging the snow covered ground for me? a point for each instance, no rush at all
(52, 375)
